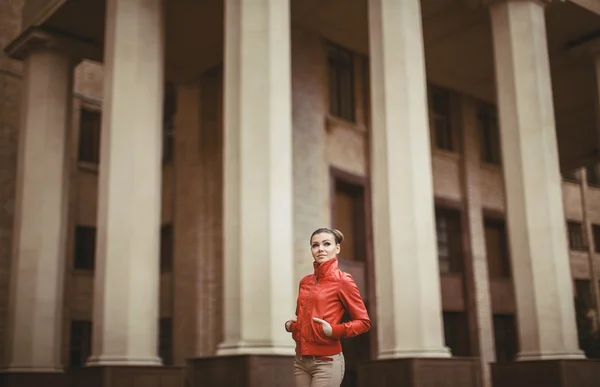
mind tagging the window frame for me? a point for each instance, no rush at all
(87, 263)
(454, 242)
(505, 263)
(167, 237)
(445, 142)
(94, 137)
(84, 347)
(165, 340)
(576, 227)
(344, 71)
(488, 127)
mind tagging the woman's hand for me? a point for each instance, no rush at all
(326, 326)
(288, 324)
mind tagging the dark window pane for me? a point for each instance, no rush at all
(576, 237)
(165, 340)
(80, 345)
(596, 235)
(89, 136)
(496, 245)
(456, 333)
(441, 118)
(489, 134)
(505, 338)
(341, 82)
(85, 247)
(166, 248)
(589, 341)
(449, 240)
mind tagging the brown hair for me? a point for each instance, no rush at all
(337, 234)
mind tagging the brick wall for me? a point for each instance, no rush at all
(311, 177)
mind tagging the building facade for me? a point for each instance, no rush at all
(164, 164)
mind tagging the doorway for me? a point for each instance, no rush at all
(349, 215)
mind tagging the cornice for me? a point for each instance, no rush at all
(35, 38)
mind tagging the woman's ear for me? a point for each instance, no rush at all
(337, 249)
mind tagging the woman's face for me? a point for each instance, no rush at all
(323, 247)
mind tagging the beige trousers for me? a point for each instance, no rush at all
(319, 373)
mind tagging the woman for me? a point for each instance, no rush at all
(323, 298)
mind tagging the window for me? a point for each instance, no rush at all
(584, 314)
(440, 118)
(456, 333)
(489, 134)
(80, 345)
(165, 340)
(596, 236)
(166, 248)
(341, 82)
(505, 337)
(583, 293)
(89, 136)
(496, 246)
(85, 247)
(576, 238)
(449, 240)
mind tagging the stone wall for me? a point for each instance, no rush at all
(10, 88)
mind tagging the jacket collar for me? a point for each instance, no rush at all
(326, 267)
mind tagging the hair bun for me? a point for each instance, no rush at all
(338, 236)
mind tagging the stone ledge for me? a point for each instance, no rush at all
(125, 376)
(420, 372)
(242, 370)
(547, 373)
(33, 379)
(100, 376)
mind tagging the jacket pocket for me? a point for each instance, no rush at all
(319, 335)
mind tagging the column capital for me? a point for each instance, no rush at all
(38, 38)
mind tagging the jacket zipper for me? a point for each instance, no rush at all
(305, 302)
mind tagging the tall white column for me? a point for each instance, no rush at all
(126, 287)
(407, 274)
(536, 223)
(37, 272)
(259, 289)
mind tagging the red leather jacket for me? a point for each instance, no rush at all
(327, 294)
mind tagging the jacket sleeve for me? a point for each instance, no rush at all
(293, 323)
(359, 318)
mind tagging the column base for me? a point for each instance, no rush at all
(242, 370)
(112, 361)
(32, 379)
(125, 376)
(547, 373)
(262, 349)
(417, 372)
